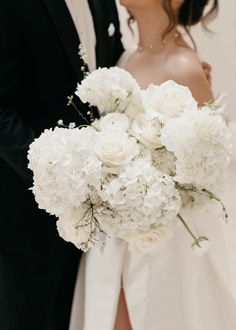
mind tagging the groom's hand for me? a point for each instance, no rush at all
(207, 70)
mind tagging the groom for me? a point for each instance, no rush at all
(39, 68)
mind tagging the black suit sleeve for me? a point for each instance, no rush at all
(15, 136)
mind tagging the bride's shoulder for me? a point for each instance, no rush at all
(184, 63)
(185, 67)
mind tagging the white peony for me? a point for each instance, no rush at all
(169, 99)
(115, 150)
(147, 131)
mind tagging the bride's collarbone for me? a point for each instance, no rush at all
(148, 73)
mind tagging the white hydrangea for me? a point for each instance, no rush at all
(108, 89)
(142, 195)
(164, 161)
(64, 167)
(200, 141)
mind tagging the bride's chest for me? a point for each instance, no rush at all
(146, 69)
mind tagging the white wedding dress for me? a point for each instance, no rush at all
(169, 290)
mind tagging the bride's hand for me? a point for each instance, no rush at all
(207, 70)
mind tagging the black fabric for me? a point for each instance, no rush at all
(39, 68)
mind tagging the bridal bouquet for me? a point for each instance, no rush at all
(132, 172)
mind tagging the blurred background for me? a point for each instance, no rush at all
(217, 48)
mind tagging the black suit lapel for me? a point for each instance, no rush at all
(66, 30)
(102, 45)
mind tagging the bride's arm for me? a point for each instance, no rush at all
(187, 70)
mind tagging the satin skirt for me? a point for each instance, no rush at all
(172, 289)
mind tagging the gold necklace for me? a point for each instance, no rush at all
(141, 47)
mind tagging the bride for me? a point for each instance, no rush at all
(170, 289)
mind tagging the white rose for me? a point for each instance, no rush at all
(150, 240)
(114, 121)
(68, 229)
(147, 131)
(135, 107)
(170, 99)
(115, 150)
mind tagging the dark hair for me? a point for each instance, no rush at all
(190, 12)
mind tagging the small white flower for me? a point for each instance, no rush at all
(111, 30)
(60, 122)
(83, 53)
(72, 125)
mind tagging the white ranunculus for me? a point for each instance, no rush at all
(147, 131)
(170, 99)
(115, 150)
(114, 121)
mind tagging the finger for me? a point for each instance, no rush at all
(206, 66)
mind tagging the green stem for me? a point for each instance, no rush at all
(188, 229)
(211, 195)
(71, 102)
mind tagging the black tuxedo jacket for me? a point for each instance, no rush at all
(39, 68)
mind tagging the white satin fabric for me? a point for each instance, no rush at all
(169, 290)
(172, 289)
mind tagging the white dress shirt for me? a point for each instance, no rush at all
(82, 18)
